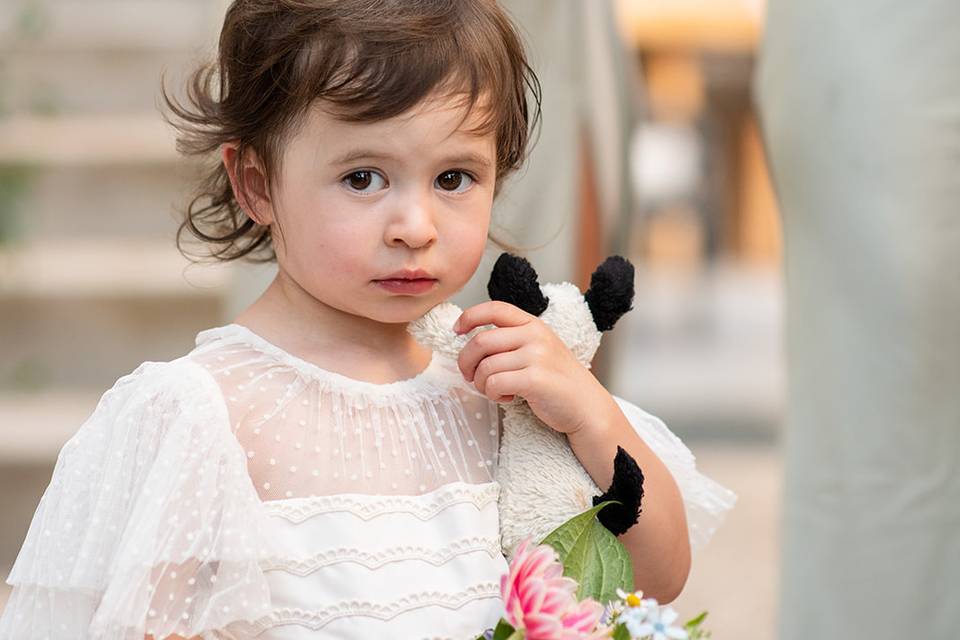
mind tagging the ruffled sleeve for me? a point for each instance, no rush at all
(706, 502)
(150, 523)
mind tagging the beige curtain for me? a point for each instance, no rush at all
(860, 104)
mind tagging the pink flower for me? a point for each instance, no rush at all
(540, 600)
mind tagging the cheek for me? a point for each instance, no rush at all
(468, 240)
(318, 247)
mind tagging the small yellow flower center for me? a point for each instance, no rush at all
(633, 600)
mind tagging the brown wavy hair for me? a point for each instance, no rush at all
(369, 60)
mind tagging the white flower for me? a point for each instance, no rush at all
(612, 611)
(632, 599)
(653, 621)
(633, 619)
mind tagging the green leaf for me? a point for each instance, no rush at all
(620, 632)
(504, 630)
(592, 556)
(695, 622)
(516, 635)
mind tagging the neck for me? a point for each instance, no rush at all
(297, 322)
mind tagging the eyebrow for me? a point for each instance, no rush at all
(364, 154)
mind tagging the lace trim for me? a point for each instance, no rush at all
(367, 507)
(439, 376)
(376, 559)
(316, 619)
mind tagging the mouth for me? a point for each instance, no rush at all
(407, 281)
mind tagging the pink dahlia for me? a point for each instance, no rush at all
(540, 600)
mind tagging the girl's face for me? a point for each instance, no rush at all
(359, 202)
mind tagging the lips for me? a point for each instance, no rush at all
(408, 281)
(408, 274)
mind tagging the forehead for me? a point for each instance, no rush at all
(437, 122)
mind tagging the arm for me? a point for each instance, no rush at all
(523, 356)
(658, 544)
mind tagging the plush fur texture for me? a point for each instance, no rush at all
(542, 482)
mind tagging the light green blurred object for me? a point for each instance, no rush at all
(860, 104)
(14, 185)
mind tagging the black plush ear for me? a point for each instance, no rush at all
(627, 488)
(611, 292)
(514, 280)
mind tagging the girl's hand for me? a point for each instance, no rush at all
(522, 356)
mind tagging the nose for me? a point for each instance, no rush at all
(412, 220)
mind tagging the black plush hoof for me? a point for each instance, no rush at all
(627, 489)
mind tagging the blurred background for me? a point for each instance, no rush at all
(91, 283)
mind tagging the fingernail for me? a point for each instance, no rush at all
(456, 326)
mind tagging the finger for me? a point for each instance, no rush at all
(497, 312)
(506, 361)
(504, 385)
(487, 343)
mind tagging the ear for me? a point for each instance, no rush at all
(611, 292)
(513, 280)
(253, 196)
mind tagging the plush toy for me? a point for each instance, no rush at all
(542, 482)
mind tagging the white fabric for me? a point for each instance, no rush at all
(428, 563)
(242, 492)
(705, 501)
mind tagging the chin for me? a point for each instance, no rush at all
(405, 312)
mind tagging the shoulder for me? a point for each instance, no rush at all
(145, 406)
(181, 383)
(184, 375)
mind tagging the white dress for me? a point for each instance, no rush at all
(241, 492)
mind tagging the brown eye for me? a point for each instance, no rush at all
(360, 180)
(363, 180)
(453, 181)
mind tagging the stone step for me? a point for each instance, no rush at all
(108, 25)
(93, 175)
(89, 343)
(81, 314)
(64, 56)
(131, 268)
(55, 83)
(126, 202)
(87, 140)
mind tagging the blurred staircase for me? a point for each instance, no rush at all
(91, 283)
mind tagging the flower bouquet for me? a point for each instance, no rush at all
(578, 584)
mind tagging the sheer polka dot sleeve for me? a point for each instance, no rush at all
(150, 523)
(706, 502)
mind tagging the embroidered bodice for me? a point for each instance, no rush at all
(380, 499)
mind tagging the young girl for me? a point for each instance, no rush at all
(309, 470)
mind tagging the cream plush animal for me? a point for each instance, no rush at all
(542, 482)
